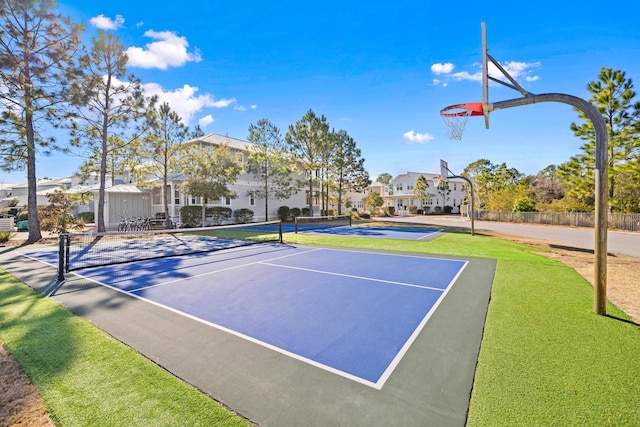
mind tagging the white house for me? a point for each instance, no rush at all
(127, 200)
(6, 194)
(401, 194)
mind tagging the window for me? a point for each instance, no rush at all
(252, 201)
(399, 186)
(227, 201)
(409, 186)
(176, 195)
(455, 186)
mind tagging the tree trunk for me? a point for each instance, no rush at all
(32, 184)
(266, 198)
(310, 193)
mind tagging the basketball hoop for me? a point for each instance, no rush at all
(437, 180)
(456, 116)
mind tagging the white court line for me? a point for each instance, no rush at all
(351, 276)
(219, 271)
(396, 360)
(440, 231)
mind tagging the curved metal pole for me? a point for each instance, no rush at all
(601, 182)
(473, 209)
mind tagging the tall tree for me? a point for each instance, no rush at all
(196, 133)
(421, 189)
(160, 148)
(109, 104)
(479, 174)
(210, 171)
(36, 51)
(306, 140)
(613, 96)
(384, 178)
(347, 165)
(268, 161)
(492, 182)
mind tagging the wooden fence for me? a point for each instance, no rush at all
(626, 222)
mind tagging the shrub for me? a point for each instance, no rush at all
(306, 212)
(87, 216)
(523, 204)
(23, 216)
(427, 209)
(243, 216)
(295, 212)
(448, 209)
(437, 209)
(56, 217)
(218, 214)
(413, 209)
(5, 236)
(392, 210)
(284, 213)
(191, 216)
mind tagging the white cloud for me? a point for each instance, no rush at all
(419, 138)
(517, 70)
(239, 108)
(184, 100)
(442, 68)
(254, 106)
(170, 50)
(104, 23)
(206, 121)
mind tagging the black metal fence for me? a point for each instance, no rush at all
(626, 222)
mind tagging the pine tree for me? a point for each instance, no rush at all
(613, 96)
(268, 161)
(37, 48)
(109, 103)
(306, 140)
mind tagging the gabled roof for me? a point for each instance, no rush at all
(215, 139)
(46, 182)
(125, 188)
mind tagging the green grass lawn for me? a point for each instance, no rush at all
(546, 358)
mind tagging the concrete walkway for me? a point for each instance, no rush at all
(625, 243)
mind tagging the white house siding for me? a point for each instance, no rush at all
(403, 187)
(126, 205)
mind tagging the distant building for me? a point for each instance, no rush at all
(400, 193)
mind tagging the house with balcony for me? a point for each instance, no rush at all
(448, 196)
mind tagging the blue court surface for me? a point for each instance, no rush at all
(352, 313)
(399, 233)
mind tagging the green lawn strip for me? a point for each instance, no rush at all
(546, 358)
(86, 377)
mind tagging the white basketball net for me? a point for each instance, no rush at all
(436, 181)
(456, 120)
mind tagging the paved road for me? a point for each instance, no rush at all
(625, 243)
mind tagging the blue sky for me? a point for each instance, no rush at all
(380, 70)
